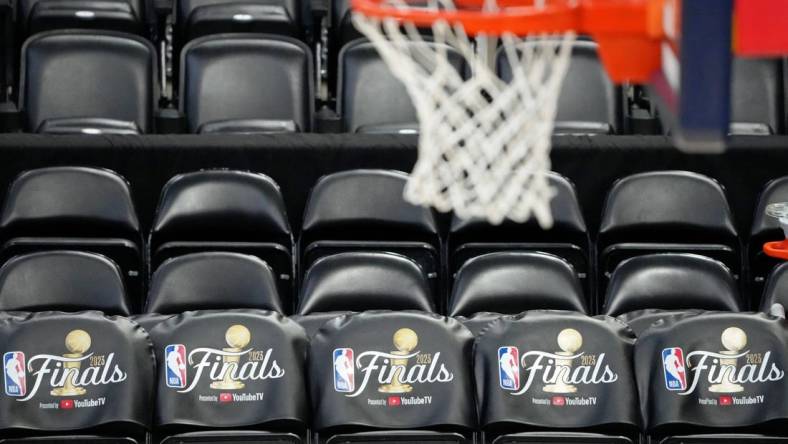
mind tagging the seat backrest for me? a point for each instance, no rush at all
(35, 16)
(667, 206)
(521, 387)
(671, 281)
(369, 98)
(62, 280)
(106, 389)
(766, 228)
(589, 102)
(89, 82)
(686, 382)
(776, 290)
(346, 389)
(361, 281)
(230, 358)
(365, 205)
(513, 282)
(247, 83)
(195, 18)
(757, 97)
(69, 202)
(212, 281)
(221, 206)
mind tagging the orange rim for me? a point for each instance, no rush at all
(778, 249)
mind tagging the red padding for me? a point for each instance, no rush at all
(761, 28)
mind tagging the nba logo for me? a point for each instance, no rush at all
(14, 374)
(344, 374)
(509, 368)
(675, 372)
(175, 372)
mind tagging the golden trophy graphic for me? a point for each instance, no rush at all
(77, 343)
(405, 341)
(237, 337)
(734, 340)
(569, 341)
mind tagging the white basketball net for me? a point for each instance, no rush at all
(484, 144)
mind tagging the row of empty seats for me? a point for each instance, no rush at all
(363, 211)
(101, 82)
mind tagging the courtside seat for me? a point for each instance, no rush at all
(643, 289)
(35, 16)
(523, 398)
(363, 210)
(666, 211)
(105, 393)
(357, 396)
(361, 281)
(757, 97)
(589, 102)
(88, 82)
(74, 208)
(512, 282)
(221, 210)
(568, 238)
(688, 395)
(197, 18)
(369, 98)
(255, 392)
(764, 229)
(776, 289)
(62, 280)
(247, 84)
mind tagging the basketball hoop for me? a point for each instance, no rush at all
(484, 144)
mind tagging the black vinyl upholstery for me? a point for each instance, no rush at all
(247, 83)
(88, 82)
(765, 229)
(196, 18)
(756, 107)
(776, 288)
(212, 281)
(62, 280)
(117, 15)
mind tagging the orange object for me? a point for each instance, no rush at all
(629, 32)
(777, 249)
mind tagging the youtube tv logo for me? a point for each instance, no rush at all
(558, 401)
(66, 404)
(394, 401)
(726, 400)
(225, 397)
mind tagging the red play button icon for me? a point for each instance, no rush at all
(225, 397)
(66, 404)
(559, 401)
(394, 401)
(726, 400)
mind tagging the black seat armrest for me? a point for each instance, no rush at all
(170, 121)
(251, 126)
(88, 125)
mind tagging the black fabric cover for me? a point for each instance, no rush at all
(116, 371)
(712, 394)
(272, 352)
(519, 384)
(313, 322)
(62, 280)
(69, 201)
(203, 281)
(361, 281)
(438, 370)
(776, 291)
(641, 320)
(221, 205)
(671, 281)
(514, 282)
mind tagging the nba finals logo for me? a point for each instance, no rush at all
(509, 368)
(724, 371)
(224, 367)
(14, 374)
(396, 371)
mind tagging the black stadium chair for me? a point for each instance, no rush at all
(764, 229)
(62, 280)
(105, 395)
(526, 394)
(247, 83)
(666, 211)
(255, 392)
(88, 82)
(361, 281)
(363, 210)
(776, 289)
(568, 238)
(197, 18)
(589, 102)
(512, 282)
(645, 288)
(359, 395)
(369, 98)
(757, 106)
(221, 210)
(74, 208)
(34, 16)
